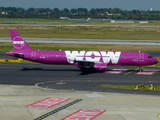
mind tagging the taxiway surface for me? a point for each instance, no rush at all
(67, 77)
(18, 90)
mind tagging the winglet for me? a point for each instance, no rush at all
(18, 42)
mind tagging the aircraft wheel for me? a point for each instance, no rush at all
(140, 70)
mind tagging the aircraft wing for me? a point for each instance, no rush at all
(83, 64)
(83, 61)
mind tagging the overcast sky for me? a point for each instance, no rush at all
(61, 4)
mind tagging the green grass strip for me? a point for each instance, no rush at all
(129, 87)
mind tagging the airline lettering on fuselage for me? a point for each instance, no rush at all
(95, 56)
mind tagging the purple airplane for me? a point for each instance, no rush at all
(98, 60)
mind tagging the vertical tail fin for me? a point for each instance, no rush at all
(18, 42)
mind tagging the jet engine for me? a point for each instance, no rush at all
(100, 66)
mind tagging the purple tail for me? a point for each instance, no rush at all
(18, 42)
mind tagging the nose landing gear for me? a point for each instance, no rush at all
(140, 69)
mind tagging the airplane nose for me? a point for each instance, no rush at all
(155, 61)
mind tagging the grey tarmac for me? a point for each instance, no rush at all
(19, 88)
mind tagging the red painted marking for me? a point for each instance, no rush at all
(120, 69)
(113, 72)
(48, 102)
(84, 115)
(145, 73)
(116, 71)
(149, 70)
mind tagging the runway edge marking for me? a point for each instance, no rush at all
(58, 109)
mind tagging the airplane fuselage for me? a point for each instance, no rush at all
(70, 57)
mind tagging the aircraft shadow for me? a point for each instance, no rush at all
(41, 69)
(87, 72)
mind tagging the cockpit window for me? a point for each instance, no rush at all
(150, 57)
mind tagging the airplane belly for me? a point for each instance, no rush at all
(128, 62)
(59, 60)
(132, 62)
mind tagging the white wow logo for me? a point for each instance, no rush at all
(95, 56)
(18, 42)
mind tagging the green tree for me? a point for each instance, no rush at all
(116, 10)
(65, 10)
(92, 11)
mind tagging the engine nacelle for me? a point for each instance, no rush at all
(100, 66)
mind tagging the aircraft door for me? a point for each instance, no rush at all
(33, 55)
(141, 57)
